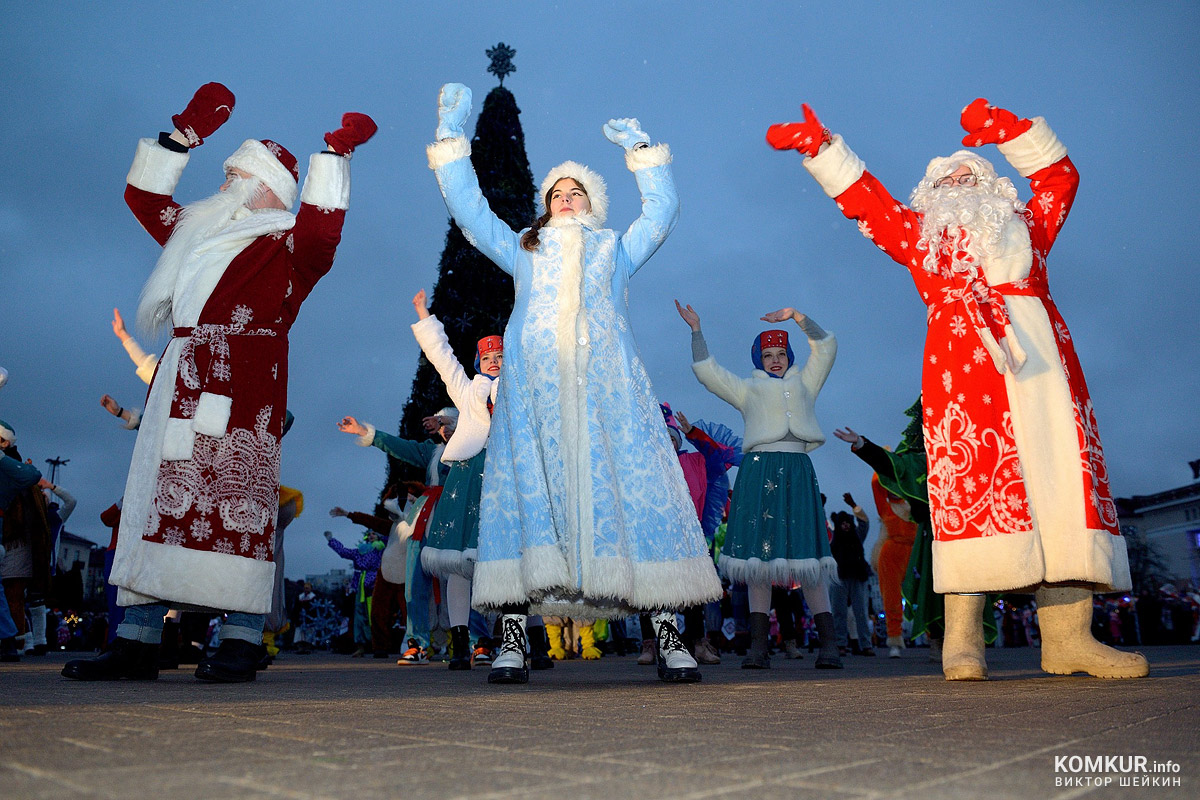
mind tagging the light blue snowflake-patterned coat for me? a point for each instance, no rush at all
(585, 511)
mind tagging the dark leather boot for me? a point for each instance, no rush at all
(758, 656)
(539, 648)
(460, 648)
(236, 661)
(124, 659)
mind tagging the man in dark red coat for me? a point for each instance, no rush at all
(203, 489)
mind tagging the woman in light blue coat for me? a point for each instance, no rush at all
(585, 512)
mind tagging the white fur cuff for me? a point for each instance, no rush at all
(155, 168)
(212, 414)
(643, 157)
(442, 153)
(836, 168)
(327, 184)
(367, 439)
(1035, 149)
(178, 440)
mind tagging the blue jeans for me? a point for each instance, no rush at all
(8, 628)
(856, 591)
(417, 589)
(144, 623)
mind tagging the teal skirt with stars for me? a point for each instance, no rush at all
(452, 539)
(776, 531)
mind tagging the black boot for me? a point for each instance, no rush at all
(827, 657)
(125, 658)
(539, 648)
(236, 661)
(757, 657)
(168, 651)
(460, 648)
(8, 650)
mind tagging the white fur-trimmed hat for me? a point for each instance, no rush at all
(592, 183)
(7, 433)
(271, 163)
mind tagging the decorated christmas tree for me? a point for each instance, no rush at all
(472, 296)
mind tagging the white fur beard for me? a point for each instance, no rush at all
(198, 221)
(974, 216)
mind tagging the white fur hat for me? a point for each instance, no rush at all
(7, 433)
(271, 163)
(592, 183)
(3, 376)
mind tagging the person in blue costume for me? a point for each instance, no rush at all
(584, 511)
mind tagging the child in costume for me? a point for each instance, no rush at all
(776, 534)
(584, 511)
(450, 547)
(1018, 485)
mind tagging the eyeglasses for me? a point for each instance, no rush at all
(962, 180)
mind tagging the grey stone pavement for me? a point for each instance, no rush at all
(326, 726)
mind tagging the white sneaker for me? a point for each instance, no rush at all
(893, 652)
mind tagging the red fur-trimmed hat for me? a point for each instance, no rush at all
(271, 163)
(773, 338)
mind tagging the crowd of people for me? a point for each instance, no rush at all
(561, 503)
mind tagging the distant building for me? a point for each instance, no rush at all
(1169, 522)
(72, 548)
(333, 582)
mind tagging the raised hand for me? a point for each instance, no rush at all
(351, 425)
(338, 511)
(626, 132)
(111, 405)
(806, 136)
(328, 535)
(848, 435)
(846, 496)
(690, 316)
(454, 106)
(209, 108)
(420, 305)
(356, 129)
(118, 326)
(684, 425)
(988, 124)
(782, 315)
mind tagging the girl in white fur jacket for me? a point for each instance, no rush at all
(776, 533)
(451, 543)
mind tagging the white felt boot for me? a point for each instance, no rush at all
(36, 641)
(962, 647)
(1065, 617)
(509, 666)
(675, 663)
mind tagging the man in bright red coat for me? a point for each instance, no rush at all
(1018, 487)
(203, 489)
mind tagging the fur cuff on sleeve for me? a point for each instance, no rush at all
(643, 157)
(155, 168)
(442, 153)
(135, 419)
(368, 438)
(327, 184)
(1035, 149)
(429, 332)
(836, 168)
(212, 414)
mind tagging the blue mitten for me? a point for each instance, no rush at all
(454, 106)
(626, 132)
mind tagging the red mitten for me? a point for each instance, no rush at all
(210, 107)
(987, 124)
(804, 136)
(356, 129)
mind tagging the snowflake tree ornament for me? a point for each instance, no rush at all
(501, 56)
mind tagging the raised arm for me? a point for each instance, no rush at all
(718, 380)
(431, 336)
(651, 166)
(1035, 152)
(406, 450)
(450, 159)
(891, 225)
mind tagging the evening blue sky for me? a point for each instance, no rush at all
(1116, 81)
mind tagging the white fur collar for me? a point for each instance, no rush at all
(582, 220)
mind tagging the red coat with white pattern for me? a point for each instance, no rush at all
(203, 491)
(1018, 486)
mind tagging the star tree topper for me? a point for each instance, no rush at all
(501, 56)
